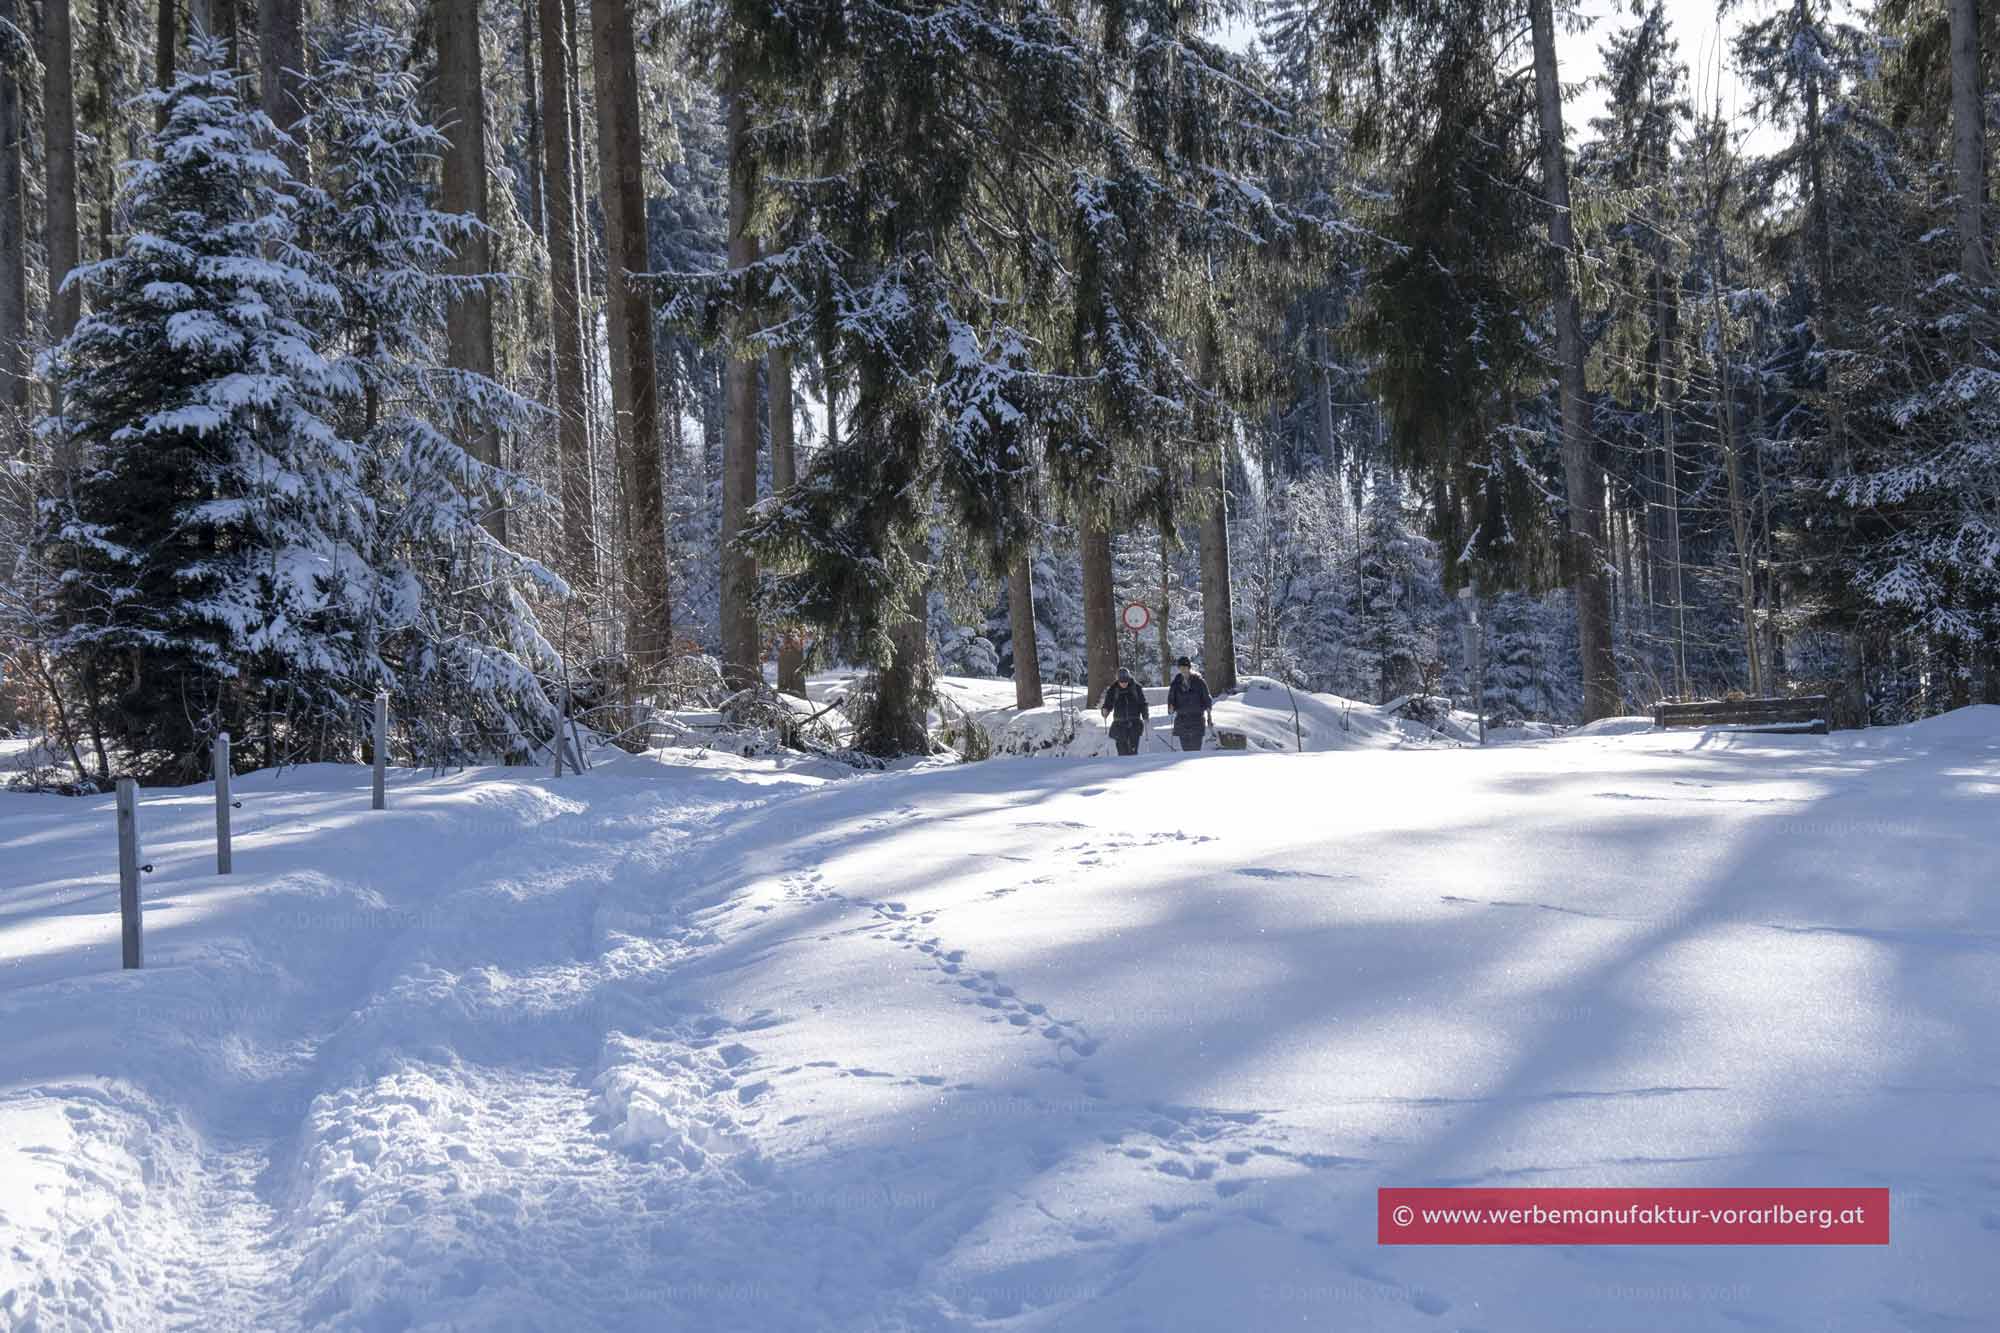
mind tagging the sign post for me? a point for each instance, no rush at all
(1135, 617)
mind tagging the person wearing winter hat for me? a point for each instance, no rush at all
(1125, 705)
(1191, 704)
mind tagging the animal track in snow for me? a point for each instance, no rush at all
(1092, 853)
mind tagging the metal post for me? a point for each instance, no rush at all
(220, 763)
(381, 749)
(1475, 654)
(128, 870)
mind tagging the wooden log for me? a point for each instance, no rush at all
(1805, 711)
(128, 871)
(220, 763)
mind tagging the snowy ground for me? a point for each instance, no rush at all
(1093, 1044)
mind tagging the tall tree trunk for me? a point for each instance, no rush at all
(1620, 524)
(1601, 694)
(13, 236)
(1024, 639)
(1773, 589)
(1663, 321)
(589, 311)
(1739, 511)
(565, 320)
(281, 60)
(1968, 142)
(832, 385)
(1166, 592)
(469, 318)
(166, 37)
(1100, 614)
(629, 318)
(531, 122)
(1323, 400)
(1853, 700)
(103, 50)
(740, 654)
(59, 131)
(1819, 229)
(785, 473)
(1218, 622)
(59, 221)
(904, 686)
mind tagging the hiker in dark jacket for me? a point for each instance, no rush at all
(1191, 704)
(1125, 704)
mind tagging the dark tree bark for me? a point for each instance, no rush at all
(1100, 611)
(1024, 638)
(1166, 603)
(784, 473)
(579, 519)
(1968, 142)
(469, 319)
(1602, 696)
(13, 233)
(740, 655)
(1218, 623)
(281, 54)
(531, 121)
(59, 129)
(904, 688)
(629, 318)
(103, 50)
(166, 37)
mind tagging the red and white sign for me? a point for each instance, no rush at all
(1137, 617)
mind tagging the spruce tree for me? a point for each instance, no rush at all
(448, 630)
(214, 534)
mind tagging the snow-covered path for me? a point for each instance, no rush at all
(1030, 1044)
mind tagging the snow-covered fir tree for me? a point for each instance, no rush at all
(214, 539)
(448, 629)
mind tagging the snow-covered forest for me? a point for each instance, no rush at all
(507, 358)
(588, 589)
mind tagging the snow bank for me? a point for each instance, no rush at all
(1261, 710)
(1614, 726)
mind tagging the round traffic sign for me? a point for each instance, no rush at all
(1137, 617)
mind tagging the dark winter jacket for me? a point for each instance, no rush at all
(1125, 703)
(1188, 700)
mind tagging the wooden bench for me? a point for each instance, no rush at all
(1807, 713)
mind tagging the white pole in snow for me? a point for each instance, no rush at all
(128, 870)
(220, 764)
(381, 749)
